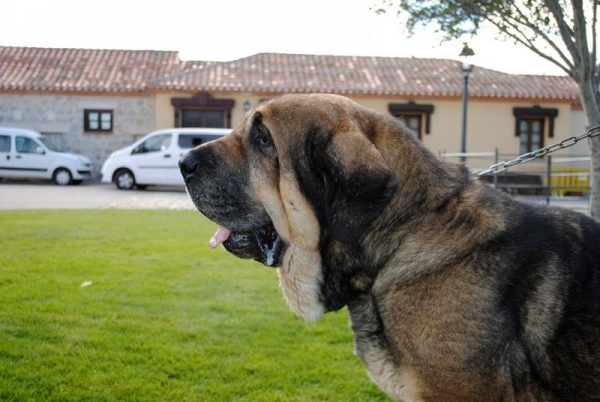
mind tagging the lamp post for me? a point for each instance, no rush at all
(466, 69)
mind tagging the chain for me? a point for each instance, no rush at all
(569, 142)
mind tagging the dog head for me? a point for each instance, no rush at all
(292, 161)
(301, 177)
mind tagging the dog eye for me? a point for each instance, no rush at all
(263, 141)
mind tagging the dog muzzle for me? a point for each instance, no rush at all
(263, 245)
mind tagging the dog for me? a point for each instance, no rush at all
(455, 291)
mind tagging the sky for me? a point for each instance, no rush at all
(224, 30)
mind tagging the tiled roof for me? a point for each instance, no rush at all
(354, 75)
(136, 71)
(196, 64)
(42, 69)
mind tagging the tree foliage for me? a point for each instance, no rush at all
(561, 31)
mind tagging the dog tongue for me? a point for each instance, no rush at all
(219, 237)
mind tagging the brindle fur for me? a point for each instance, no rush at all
(455, 291)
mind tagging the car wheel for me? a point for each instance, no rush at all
(62, 177)
(124, 179)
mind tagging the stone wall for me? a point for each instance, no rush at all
(60, 117)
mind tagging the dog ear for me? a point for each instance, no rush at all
(358, 182)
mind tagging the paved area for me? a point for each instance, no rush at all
(42, 195)
(46, 195)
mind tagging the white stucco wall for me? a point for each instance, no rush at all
(491, 124)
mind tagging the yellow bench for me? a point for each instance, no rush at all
(570, 180)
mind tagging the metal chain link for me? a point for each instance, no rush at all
(569, 142)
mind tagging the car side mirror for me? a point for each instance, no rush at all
(39, 151)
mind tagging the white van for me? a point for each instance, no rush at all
(153, 160)
(26, 154)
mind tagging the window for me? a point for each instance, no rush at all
(202, 110)
(4, 143)
(413, 122)
(98, 120)
(26, 145)
(157, 143)
(530, 126)
(202, 118)
(531, 134)
(193, 140)
(413, 115)
(535, 113)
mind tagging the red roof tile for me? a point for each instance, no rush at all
(86, 70)
(354, 75)
(83, 69)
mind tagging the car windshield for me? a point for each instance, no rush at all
(48, 144)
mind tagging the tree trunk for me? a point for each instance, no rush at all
(595, 178)
(590, 104)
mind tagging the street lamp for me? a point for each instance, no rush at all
(466, 69)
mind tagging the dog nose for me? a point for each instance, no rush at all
(188, 165)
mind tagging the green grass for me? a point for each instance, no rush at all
(165, 318)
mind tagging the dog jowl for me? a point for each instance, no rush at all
(455, 292)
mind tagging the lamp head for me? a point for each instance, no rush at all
(466, 52)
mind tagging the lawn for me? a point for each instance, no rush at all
(162, 318)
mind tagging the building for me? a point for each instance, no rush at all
(95, 101)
